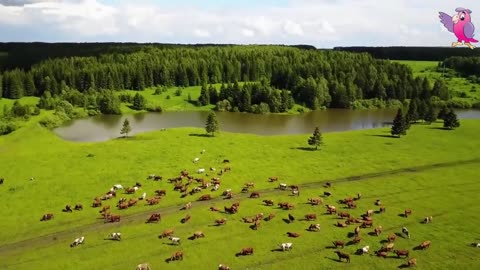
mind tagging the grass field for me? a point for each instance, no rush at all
(457, 85)
(64, 174)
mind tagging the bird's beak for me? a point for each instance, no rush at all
(455, 18)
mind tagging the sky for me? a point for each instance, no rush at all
(321, 23)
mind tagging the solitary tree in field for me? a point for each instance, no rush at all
(126, 128)
(399, 126)
(316, 139)
(450, 121)
(212, 123)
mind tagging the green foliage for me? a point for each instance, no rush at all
(412, 113)
(211, 125)
(126, 98)
(316, 139)
(450, 120)
(440, 90)
(19, 110)
(65, 107)
(399, 126)
(178, 92)
(223, 106)
(431, 114)
(126, 128)
(139, 102)
(109, 103)
(7, 127)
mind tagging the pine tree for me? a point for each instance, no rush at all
(316, 139)
(126, 128)
(412, 114)
(451, 121)
(212, 123)
(430, 114)
(138, 102)
(399, 127)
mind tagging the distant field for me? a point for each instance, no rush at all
(64, 174)
(457, 85)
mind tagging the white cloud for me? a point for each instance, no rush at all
(323, 23)
(293, 28)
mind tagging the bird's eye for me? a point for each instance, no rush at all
(462, 17)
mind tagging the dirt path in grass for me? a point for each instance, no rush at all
(51, 239)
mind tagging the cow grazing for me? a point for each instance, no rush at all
(144, 195)
(175, 240)
(365, 249)
(1, 181)
(176, 256)
(341, 224)
(226, 161)
(378, 230)
(388, 247)
(425, 245)
(344, 215)
(412, 262)
(273, 179)
(282, 186)
(356, 239)
(310, 217)
(116, 236)
(166, 233)
(223, 267)
(327, 185)
(391, 238)
(382, 209)
(378, 203)
(367, 223)
(255, 195)
(68, 208)
(198, 234)
(327, 194)
(383, 254)
(342, 255)
(356, 231)
(200, 171)
(195, 160)
(331, 209)
(338, 243)
(401, 252)
(47, 217)
(427, 219)
(246, 251)
(314, 227)
(291, 218)
(143, 266)
(186, 218)
(205, 197)
(315, 201)
(270, 217)
(293, 234)
(295, 192)
(215, 209)
(268, 202)
(221, 221)
(154, 218)
(407, 212)
(78, 206)
(369, 213)
(406, 232)
(77, 241)
(286, 246)
(112, 218)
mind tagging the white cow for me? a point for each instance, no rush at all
(117, 186)
(216, 187)
(175, 240)
(116, 236)
(195, 160)
(283, 186)
(365, 249)
(286, 246)
(143, 266)
(144, 195)
(202, 170)
(77, 241)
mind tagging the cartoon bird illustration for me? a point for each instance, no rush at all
(460, 24)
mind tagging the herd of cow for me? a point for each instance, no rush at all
(184, 183)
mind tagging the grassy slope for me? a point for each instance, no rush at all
(65, 175)
(456, 84)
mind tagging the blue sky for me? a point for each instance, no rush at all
(322, 23)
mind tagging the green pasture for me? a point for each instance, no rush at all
(65, 174)
(457, 85)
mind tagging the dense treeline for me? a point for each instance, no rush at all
(412, 53)
(314, 78)
(465, 66)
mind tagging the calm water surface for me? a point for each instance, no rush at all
(104, 127)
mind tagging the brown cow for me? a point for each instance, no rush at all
(314, 227)
(46, 217)
(412, 262)
(378, 230)
(78, 206)
(270, 217)
(246, 251)
(268, 202)
(401, 252)
(293, 234)
(368, 223)
(213, 208)
(221, 221)
(381, 254)
(68, 208)
(186, 218)
(315, 201)
(248, 220)
(382, 209)
(112, 218)
(177, 256)
(391, 238)
(166, 233)
(356, 239)
(161, 192)
(153, 201)
(273, 179)
(388, 247)
(198, 234)
(357, 230)
(310, 217)
(256, 225)
(338, 243)
(123, 206)
(407, 212)
(351, 205)
(342, 255)
(250, 184)
(132, 202)
(344, 215)
(154, 218)
(223, 267)
(97, 203)
(424, 245)
(205, 197)
(255, 195)
(331, 209)
(341, 224)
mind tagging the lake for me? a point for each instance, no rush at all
(105, 127)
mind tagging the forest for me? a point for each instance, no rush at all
(278, 76)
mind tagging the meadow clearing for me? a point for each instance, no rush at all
(432, 171)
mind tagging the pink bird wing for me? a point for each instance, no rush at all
(446, 20)
(469, 30)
